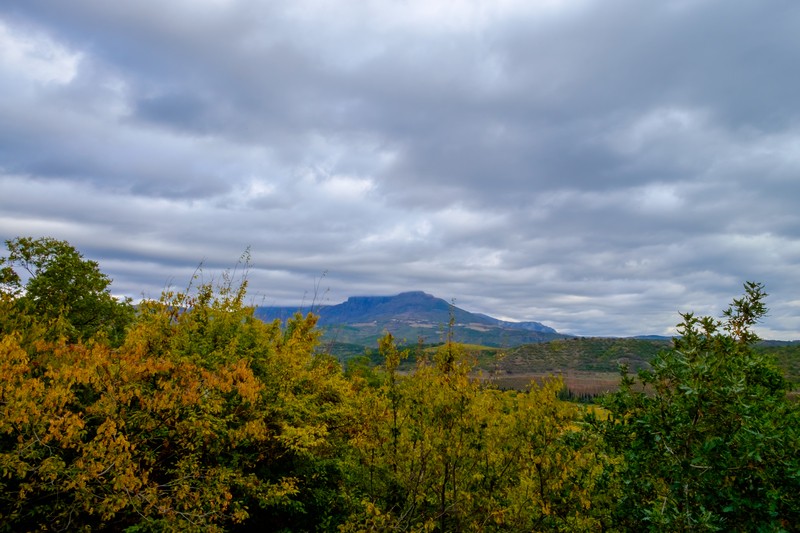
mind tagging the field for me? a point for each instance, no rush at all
(577, 385)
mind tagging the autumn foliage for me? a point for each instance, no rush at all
(187, 413)
(192, 423)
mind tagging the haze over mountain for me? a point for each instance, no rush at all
(413, 316)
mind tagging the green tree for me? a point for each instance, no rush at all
(709, 439)
(48, 282)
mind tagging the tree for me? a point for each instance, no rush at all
(48, 282)
(439, 450)
(709, 439)
(204, 418)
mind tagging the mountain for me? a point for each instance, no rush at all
(413, 316)
(513, 348)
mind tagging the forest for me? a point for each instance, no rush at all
(188, 413)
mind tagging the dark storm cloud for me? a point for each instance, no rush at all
(594, 165)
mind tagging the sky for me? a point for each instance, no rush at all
(595, 165)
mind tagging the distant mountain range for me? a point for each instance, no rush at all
(412, 317)
(511, 349)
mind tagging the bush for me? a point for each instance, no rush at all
(709, 439)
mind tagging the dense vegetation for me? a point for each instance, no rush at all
(189, 413)
(582, 353)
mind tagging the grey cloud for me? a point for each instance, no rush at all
(598, 166)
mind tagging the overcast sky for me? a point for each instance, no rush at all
(595, 165)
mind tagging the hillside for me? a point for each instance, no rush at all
(581, 354)
(605, 355)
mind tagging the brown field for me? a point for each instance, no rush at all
(580, 384)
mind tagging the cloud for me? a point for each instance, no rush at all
(36, 57)
(597, 166)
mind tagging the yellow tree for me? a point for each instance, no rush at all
(203, 417)
(440, 451)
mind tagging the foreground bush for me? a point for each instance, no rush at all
(197, 421)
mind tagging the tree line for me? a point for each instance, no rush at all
(187, 413)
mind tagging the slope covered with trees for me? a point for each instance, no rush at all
(190, 414)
